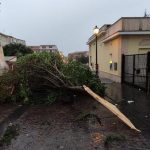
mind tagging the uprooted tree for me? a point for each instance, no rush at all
(46, 75)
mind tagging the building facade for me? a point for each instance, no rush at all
(128, 35)
(6, 39)
(3, 64)
(42, 48)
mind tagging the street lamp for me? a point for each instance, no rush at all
(96, 31)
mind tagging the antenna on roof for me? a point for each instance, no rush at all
(146, 14)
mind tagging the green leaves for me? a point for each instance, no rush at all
(45, 75)
(79, 75)
(16, 49)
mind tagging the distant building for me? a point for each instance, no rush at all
(6, 39)
(42, 48)
(80, 56)
(128, 36)
(76, 55)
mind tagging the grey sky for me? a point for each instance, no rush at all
(66, 23)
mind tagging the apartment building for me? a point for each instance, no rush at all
(42, 48)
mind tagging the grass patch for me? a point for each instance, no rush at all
(11, 133)
(114, 138)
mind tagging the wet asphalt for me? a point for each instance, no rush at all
(133, 102)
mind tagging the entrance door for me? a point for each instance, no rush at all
(135, 70)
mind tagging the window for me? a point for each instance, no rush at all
(115, 66)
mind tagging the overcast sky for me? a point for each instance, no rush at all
(66, 23)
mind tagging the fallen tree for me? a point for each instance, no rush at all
(46, 74)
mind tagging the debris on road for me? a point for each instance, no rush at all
(112, 108)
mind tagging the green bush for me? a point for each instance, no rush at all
(80, 75)
(8, 82)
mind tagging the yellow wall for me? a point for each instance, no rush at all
(104, 55)
(131, 44)
(128, 44)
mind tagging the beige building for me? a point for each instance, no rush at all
(6, 39)
(128, 35)
(42, 48)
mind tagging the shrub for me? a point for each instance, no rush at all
(8, 82)
(80, 75)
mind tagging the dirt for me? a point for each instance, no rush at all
(59, 126)
(6, 110)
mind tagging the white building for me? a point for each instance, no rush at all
(6, 39)
(42, 48)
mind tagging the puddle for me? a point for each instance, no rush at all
(134, 103)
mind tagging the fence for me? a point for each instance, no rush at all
(136, 70)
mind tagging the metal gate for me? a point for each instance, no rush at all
(136, 70)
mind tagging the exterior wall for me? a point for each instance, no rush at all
(1, 54)
(107, 52)
(5, 39)
(117, 26)
(134, 44)
(3, 65)
(136, 24)
(125, 24)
